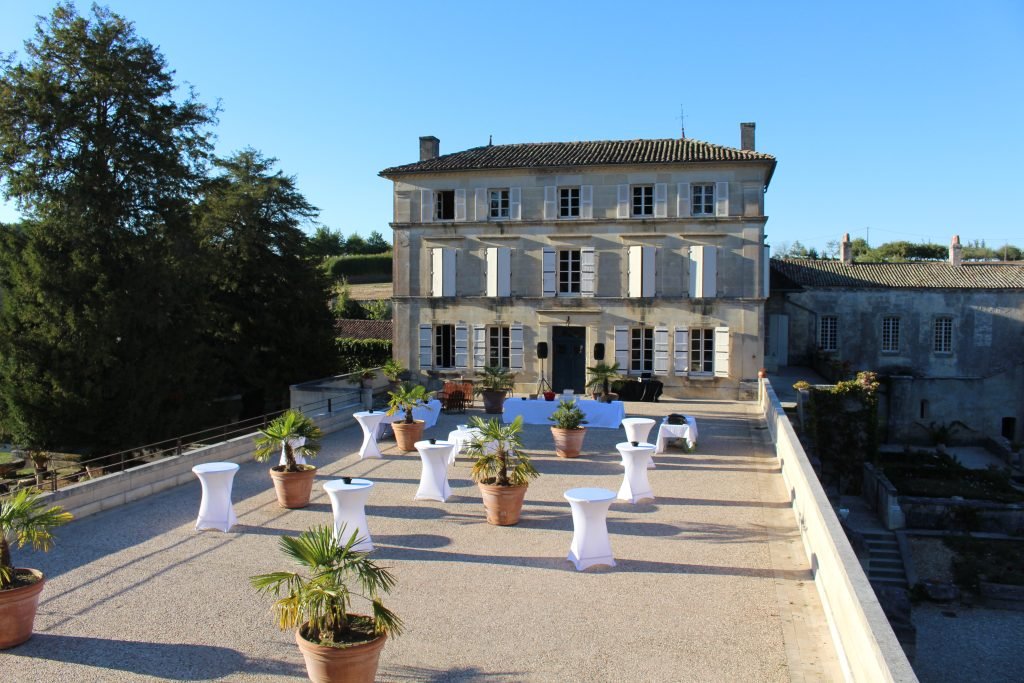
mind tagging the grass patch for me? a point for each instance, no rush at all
(937, 475)
(983, 559)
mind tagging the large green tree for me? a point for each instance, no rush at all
(101, 300)
(270, 318)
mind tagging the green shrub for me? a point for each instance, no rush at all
(362, 353)
(360, 268)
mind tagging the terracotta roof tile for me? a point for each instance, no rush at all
(791, 273)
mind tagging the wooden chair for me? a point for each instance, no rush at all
(455, 402)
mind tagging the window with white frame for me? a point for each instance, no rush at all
(444, 346)
(498, 347)
(643, 200)
(641, 350)
(444, 205)
(569, 202)
(943, 335)
(828, 328)
(890, 334)
(570, 269)
(702, 350)
(499, 204)
(703, 201)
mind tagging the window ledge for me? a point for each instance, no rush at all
(701, 377)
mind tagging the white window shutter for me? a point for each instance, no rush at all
(683, 200)
(515, 346)
(767, 272)
(623, 210)
(515, 204)
(587, 271)
(437, 271)
(710, 274)
(426, 345)
(636, 270)
(660, 200)
(586, 201)
(502, 272)
(703, 272)
(481, 207)
(492, 271)
(462, 345)
(479, 346)
(721, 199)
(460, 205)
(448, 281)
(647, 279)
(721, 352)
(550, 202)
(622, 348)
(681, 362)
(426, 206)
(661, 350)
(549, 271)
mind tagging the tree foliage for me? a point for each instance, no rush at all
(901, 250)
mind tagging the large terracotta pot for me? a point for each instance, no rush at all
(568, 442)
(353, 664)
(18, 610)
(293, 488)
(494, 401)
(406, 435)
(503, 503)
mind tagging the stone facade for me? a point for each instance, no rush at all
(474, 289)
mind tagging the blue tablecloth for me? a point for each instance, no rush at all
(536, 412)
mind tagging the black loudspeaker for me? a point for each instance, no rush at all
(598, 351)
(542, 350)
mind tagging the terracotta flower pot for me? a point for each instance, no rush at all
(353, 664)
(293, 488)
(503, 503)
(494, 401)
(568, 442)
(18, 610)
(406, 435)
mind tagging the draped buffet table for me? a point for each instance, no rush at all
(536, 411)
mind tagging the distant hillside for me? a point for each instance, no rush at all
(370, 291)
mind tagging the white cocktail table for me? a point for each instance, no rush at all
(635, 486)
(349, 504)
(434, 473)
(215, 510)
(637, 428)
(369, 421)
(461, 438)
(590, 542)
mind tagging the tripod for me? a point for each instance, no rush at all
(543, 385)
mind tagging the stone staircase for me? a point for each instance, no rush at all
(885, 564)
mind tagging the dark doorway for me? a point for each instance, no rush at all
(568, 358)
(1010, 428)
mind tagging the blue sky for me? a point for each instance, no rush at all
(902, 118)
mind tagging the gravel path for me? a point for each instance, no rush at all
(956, 645)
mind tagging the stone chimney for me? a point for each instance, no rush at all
(747, 136)
(430, 147)
(955, 251)
(846, 249)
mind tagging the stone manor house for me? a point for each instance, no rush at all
(646, 252)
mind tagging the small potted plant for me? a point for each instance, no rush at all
(568, 430)
(337, 644)
(24, 519)
(393, 370)
(493, 385)
(549, 395)
(501, 469)
(602, 375)
(292, 481)
(404, 399)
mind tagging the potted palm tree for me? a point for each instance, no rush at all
(293, 482)
(24, 519)
(602, 375)
(568, 430)
(404, 399)
(393, 370)
(501, 469)
(336, 644)
(493, 385)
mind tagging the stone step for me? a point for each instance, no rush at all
(898, 583)
(887, 555)
(886, 567)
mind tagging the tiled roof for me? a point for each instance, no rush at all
(600, 153)
(363, 329)
(796, 273)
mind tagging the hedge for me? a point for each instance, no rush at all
(356, 353)
(362, 267)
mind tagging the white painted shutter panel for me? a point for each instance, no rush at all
(636, 271)
(703, 272)
(515, 346)
(683, 200)
(462, 345)
(623, 210)
(586, 201)
(437, 271)
(622, 348)
(460, 205)
(682, 351)
(480, 207)
(710, 273)
(499, 271)
(661, 350)
(721, 352)
(426, 345)
(587, 271)
(767, 273)
(660, 200)
(492, 271)
(515, 204)
(479, 346)
(647, 279)
(426, 206)
(721, 199)
(448, 281)
(550, 202)
(549, 271)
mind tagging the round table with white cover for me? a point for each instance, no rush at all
(215, 510)
(348, 501)
(435, 458)
(590, 543)
(369, 421)
(635, 486)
